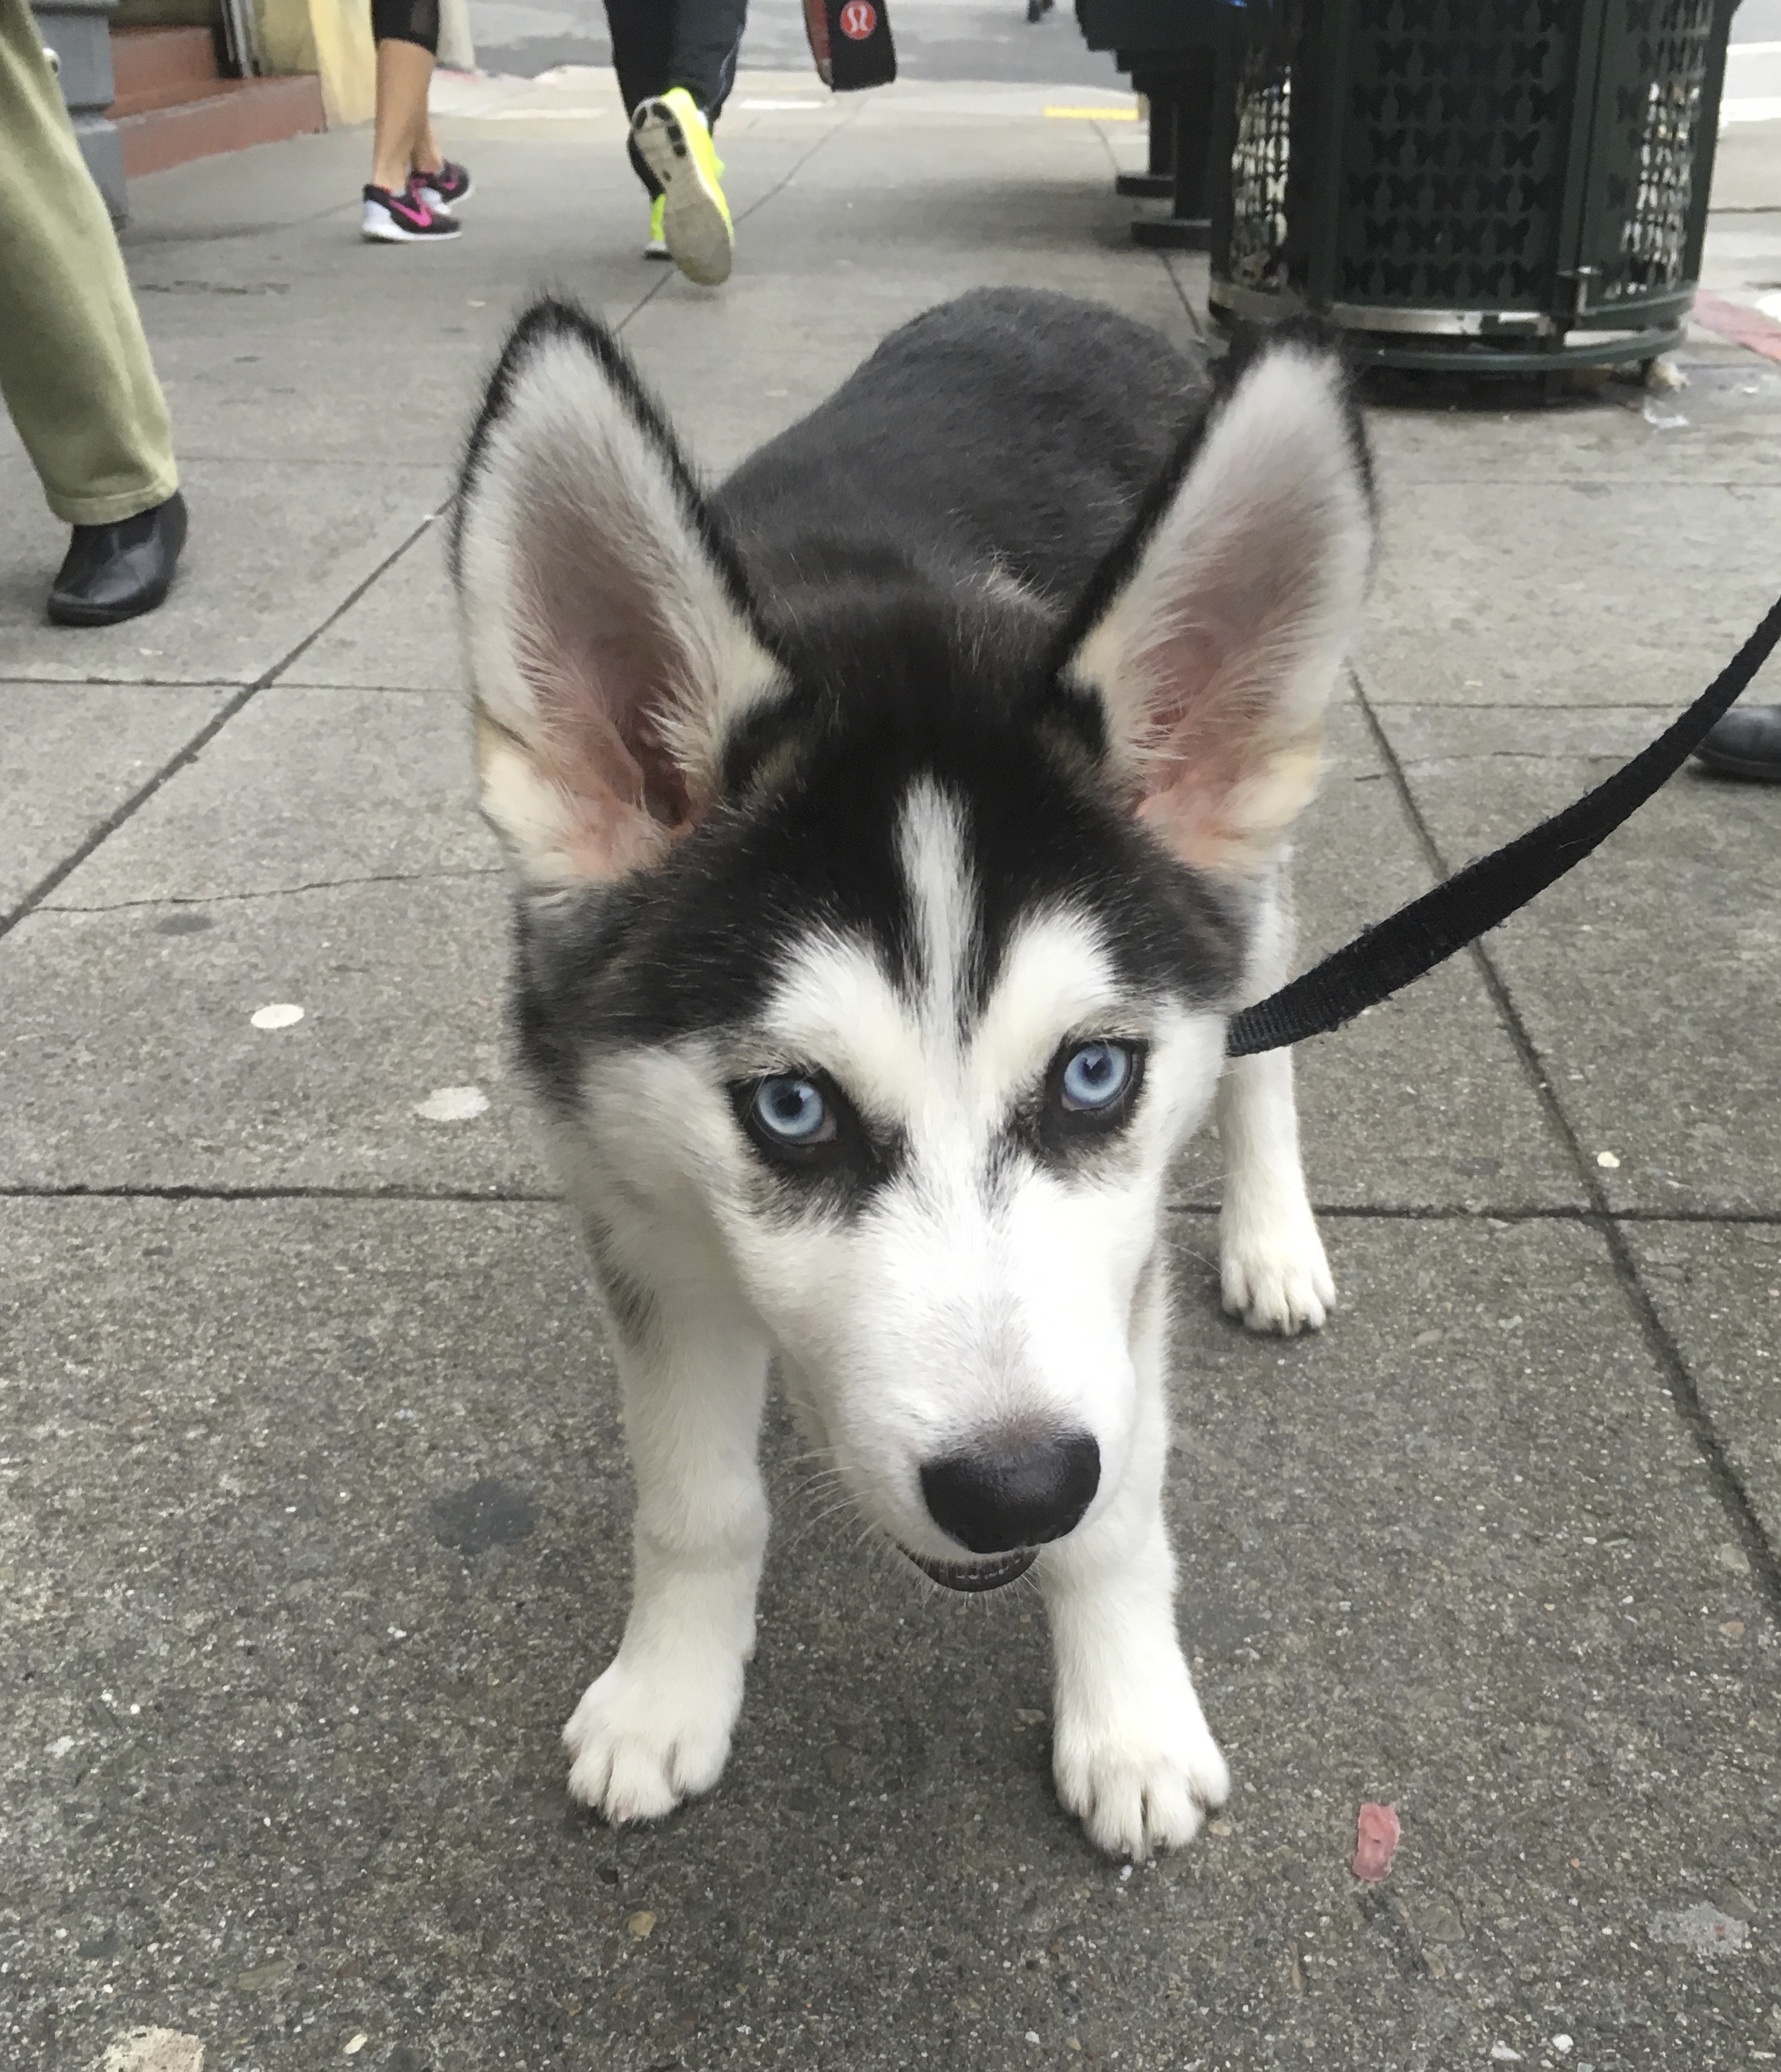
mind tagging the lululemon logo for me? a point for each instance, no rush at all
(858, 19)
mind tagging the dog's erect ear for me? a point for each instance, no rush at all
(1213, 635)
(607, 628)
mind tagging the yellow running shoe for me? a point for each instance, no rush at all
(675, 141)
(657, 246)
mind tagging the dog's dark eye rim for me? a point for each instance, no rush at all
(837, 1135)
(1112, 1114)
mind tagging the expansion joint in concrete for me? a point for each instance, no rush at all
(189, 753)
(1728, 1483)
(1492, 1212)
(272, 892)
(174, 1191)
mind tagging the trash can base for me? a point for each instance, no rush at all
(1475, 341)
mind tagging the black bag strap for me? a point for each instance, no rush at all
(1413, 940)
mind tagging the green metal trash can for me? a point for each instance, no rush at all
(1505, 185)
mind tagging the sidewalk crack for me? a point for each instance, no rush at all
(283, 891)
(197, 1191)
(1422, 762)
(798, 164)
(195, 746)
(1526, 1212)
(1729, 1486)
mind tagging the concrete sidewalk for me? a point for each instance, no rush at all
(314, 1513)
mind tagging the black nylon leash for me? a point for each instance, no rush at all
(1389, 955)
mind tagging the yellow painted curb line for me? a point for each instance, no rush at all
(1094, 115)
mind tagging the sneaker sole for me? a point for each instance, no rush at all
(394, 234)
(694, 223)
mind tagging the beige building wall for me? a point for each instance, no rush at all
(331, 37)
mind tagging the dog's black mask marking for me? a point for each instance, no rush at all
(917, 623)
(698, 943)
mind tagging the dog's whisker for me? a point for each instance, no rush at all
(814, 1487)
(844, 1502)
(810, 1526)
(825, 1455)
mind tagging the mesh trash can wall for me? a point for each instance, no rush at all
(1507, 184)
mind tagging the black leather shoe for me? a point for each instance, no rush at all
(113, 572)
(1746, 743)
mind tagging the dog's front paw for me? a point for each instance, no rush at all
(1274, 1272)
(1140, 1776)
(644, 1738)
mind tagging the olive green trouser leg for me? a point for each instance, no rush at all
(74, 365)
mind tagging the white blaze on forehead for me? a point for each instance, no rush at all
(896, 1051)
(1056, 980)
(837, 1008)
(913, 1055)
(942, 901)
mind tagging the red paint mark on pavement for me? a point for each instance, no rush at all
(1376, 1834)
(1746, 327)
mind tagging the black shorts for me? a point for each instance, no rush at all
(406, 22)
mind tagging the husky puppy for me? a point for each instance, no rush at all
(895, 827)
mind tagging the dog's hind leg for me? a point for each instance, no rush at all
(654, 1729)
(1272, 1263)
(1132, 1755)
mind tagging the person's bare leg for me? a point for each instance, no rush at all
(405, 71)
(428, 157)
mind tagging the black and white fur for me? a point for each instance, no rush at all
(957, 737)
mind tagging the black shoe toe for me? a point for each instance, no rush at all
(113, 573)
(1746, 743)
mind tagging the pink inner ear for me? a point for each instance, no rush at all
(604, 669)
(1203, 739)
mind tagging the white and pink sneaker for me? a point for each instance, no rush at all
(405, 219)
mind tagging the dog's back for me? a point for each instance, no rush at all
(1010, 434)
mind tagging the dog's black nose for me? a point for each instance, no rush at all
(1019, 1492)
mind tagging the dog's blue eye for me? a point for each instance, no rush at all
(791, 1109)
(1096, 1075)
